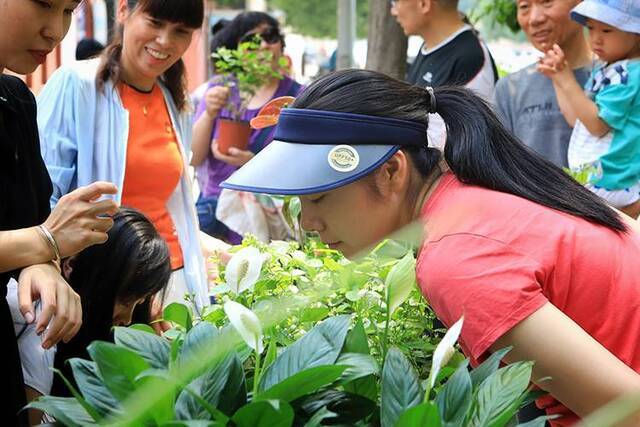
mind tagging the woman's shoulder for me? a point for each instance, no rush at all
(14, 88)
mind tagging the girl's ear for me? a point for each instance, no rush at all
(123, 11)
(393, 175)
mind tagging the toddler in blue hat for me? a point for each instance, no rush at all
(606, 114)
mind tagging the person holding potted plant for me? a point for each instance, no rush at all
(530, 257)
(124, 117)
(236, 92)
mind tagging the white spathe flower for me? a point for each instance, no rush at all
(243, 269)
(445, 350)
(246, 323)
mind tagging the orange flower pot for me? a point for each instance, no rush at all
(232, 133)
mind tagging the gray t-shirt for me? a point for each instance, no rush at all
(526, 103)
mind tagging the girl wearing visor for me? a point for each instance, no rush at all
(531, 258)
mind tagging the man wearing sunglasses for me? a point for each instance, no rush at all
(451, 53)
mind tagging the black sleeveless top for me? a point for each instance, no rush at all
(25, 189)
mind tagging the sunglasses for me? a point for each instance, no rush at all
(270, 36)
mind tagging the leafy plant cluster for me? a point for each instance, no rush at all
(299, 337)
(503, 12)
(246, 68)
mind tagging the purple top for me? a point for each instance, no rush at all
(213, 171)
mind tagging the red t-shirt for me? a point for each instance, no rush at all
(498, 258)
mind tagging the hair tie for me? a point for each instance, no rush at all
(432, 100)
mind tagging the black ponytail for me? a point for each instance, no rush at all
(479, 149)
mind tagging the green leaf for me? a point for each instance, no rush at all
(454, 399)
(320, 346)
(179, 314)
(272, 353)
(346, 408)
(302, 383)
(314, 314)
(425, 414)
(317, 419)
(197, 340)
(265, 413)
(400, 387)
(118, 367)
(499, 396)
(356, 342)
(92, 387)
(488, 367)
(66, 410)
(162, 409)
(152, 348)
(400, 281)
(358, 366)
(142, 327)
(222, 386)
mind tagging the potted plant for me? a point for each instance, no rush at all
(244, 70)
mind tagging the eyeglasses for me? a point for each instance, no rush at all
(270, 35)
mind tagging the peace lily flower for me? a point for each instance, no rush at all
(243, 269)
(444, 350)
(246, 323)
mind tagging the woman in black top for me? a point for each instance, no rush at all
(33, 239)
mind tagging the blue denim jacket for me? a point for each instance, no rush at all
(84, 133)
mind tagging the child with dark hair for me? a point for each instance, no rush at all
(528, 256)
(112, 280)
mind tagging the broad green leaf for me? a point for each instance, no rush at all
(193, 423)
(152, 348)
(222, 386)
(92, 387)
(498, 396)
(163, 409)
(454, 399)
(400, 281)
(303, 383)
(317, 418)
(118, 367)
(199, 338)
(66, 410)
(425, 414)
(265, 413)
(358, 366)
(314, 314)
(320, 346)
(142, 327)
(179, 314)
(356, 342)
(347, 408)
(488, 367)
(400, 387)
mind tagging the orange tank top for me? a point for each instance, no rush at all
(154, 162)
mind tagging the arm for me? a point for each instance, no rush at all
(214, 100)
(19, 248)
(574, 103)
(584, 374)
(35, 415)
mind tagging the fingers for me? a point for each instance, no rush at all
(68, 316)
(224, 157)
(101, 224)
(43, 286)
(103, 207)
(93, 191)
(24, 297)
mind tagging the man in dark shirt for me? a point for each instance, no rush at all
(451, 53)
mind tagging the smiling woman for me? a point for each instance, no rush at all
(125, 117)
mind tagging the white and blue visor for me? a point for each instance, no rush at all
(316, 151)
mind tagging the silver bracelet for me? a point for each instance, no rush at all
(52, 242)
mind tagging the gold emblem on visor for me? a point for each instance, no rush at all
(343, 158)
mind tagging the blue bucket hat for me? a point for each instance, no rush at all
(621, 14)
(315, 151)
